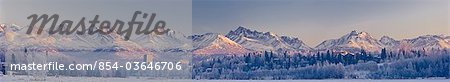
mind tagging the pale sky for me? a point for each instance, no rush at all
(314, 21)
(176, 13)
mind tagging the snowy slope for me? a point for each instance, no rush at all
(17, 39)
(1, 27)
(362, 40)
(447, 38)
(99, 42)
(3, 43)
(170, 42)
(427, 42)
(389, 43)
(23, 78)
(211, 43)
(259, 41)
(353, 41)
(68, 42)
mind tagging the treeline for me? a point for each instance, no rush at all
(323, 65)
(423, 67)
(2, 63)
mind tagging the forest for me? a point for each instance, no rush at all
(265, 65)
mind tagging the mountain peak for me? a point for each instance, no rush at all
(389, 42)
(263, 41)
(242, 28)
(386, 38)
(354, 32)
(270, 34)
(14, 27)
(353, 41)
(358, 34)
(2, 26)
(363, 33)
(214, 43)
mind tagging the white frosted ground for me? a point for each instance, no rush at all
(136, 79)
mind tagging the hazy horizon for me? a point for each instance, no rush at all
(312, 21)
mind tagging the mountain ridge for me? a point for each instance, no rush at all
(262, 41)
(235, 40)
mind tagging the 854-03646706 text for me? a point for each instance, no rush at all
(101, 65)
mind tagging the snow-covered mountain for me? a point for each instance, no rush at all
(170, 42)
(259, 41)
(17, 38)
(3, 43)
(2, 31)
(1, 27)
(353, 41)
(237, 41)
(98, 42)
(389, 43)
(427, 42)
(447, 38)
(212, 43)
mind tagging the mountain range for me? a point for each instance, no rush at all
(239, 41)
